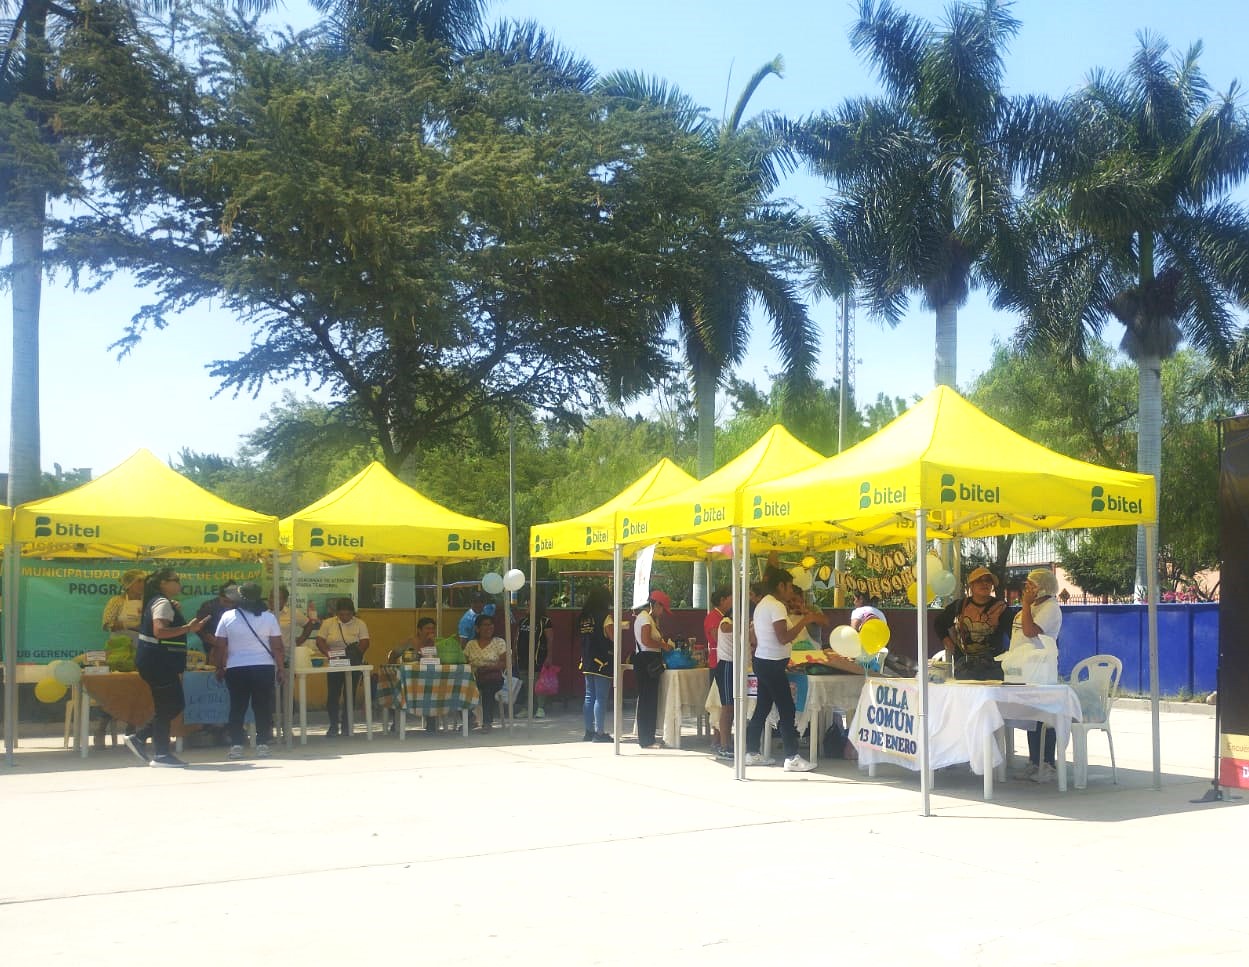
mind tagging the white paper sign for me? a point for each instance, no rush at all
(642, 575)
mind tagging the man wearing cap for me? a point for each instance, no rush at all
(973, 628)
(1039, 614)
(648, 665)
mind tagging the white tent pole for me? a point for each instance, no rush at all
(617, 574)
(533, 635)
(438, 603)
(741, 651)
(290, 688)
(1151, 586)
(12, 564)
(921, 655)
(275, 596)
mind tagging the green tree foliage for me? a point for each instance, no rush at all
(1088, 412)
(426, 241)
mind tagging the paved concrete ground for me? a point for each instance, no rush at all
(541, 849)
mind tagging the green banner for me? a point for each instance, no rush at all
(61, 603)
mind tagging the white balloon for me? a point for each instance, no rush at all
(66, 672)
(492, 582)
(943, 584)
(802, 578)
(309, 563)
(845, 641)
(514, 579)
(934, 565)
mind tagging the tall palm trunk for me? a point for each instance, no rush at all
(705, 404)
(27, 235)
(1148, 446)
(945, 370)
(24, 464)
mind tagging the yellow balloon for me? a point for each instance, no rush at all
(912, 593)
(873, 635)
(50, 690)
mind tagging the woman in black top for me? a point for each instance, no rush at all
(160, 658)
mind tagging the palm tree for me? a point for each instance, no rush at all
(1130, 180)
(31, 39)
(749, 254)
(385, 23)
(924, 197)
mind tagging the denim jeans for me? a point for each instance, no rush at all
(773, 690)
(161, 666)
(597, 692)
(251, 685)
(1034, 744)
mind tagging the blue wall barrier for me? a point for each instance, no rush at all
(1188, 643)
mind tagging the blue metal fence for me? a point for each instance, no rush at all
(1188, 643)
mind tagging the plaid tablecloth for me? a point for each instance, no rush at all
(444, 690)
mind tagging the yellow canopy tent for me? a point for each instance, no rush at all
(375, 516)
(6, 524)
(707, 513)
(140, 509)
(973, 476)
(588, 537)
(703, 514)
(945, 469)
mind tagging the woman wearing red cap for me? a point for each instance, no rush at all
(648, 665)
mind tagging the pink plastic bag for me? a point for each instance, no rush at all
(548, 681)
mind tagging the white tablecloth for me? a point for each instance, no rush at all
(681, 690)
(825, 694)
(963, 720)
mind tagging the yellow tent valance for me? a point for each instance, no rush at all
(589, 536)
(141, 509)
(973, 476)
(701, 515)
(375, 516)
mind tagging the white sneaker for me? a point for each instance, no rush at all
(1044, 773)
(262, 751)
(236, 752)
(539, 713)
(757, 759)
(797, 763)
(1027, 772)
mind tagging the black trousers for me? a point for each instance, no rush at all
(161, 666)
(336, 684)
(773, 690)
(251, 685)
(645, 665)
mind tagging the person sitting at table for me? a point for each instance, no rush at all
(306, 623)
(425, 637)
(342, 636)
(488, 656)
(973, 629)
(248, 656)
(865, 609)
(1039, 614)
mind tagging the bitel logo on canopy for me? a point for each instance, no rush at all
(45, 527)
(1101, 501)
(216, 534)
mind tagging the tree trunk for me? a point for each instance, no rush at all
(1148, 448)
(945, 370)
(27, 234)
(705, 402)
(24, 462)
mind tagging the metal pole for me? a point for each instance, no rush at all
(741, 655)
(921, 637)
(617, 573)
(289, 703)
(533, 635)
(1151, 594)
(12, 565)
(839, 559)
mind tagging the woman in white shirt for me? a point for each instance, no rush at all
(1039, 614)
(774, 634)
(342, 636)
(247, 653)
(648, 665)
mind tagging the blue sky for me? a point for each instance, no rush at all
(97, 410)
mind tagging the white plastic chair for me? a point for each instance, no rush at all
(1094, 681)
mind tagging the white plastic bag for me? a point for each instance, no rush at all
(1028, 664)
